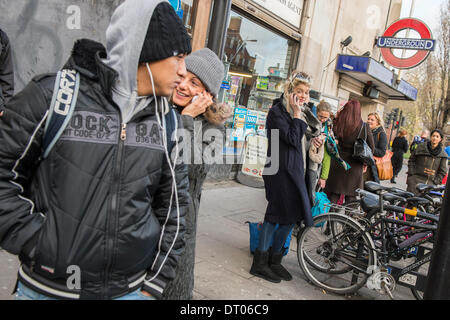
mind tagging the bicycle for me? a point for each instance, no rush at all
(347, 252)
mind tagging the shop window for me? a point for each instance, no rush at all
(258, 60)
(188, 15)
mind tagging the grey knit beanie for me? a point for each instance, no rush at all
(206, 65)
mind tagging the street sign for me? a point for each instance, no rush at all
(424, 45)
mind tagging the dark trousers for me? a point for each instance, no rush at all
(397, 163)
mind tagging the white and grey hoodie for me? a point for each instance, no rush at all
(124, 41)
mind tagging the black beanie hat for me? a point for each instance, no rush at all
(166, 35)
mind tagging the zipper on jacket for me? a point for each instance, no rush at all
(123, 132)
(432, 164)
(113, 215)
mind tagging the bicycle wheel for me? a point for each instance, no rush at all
(336, 255)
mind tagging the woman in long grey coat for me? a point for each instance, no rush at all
(286, 192)
(348, 127)
(202, 143)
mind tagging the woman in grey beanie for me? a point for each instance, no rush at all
(203, 121)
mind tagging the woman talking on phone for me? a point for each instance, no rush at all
(203, 139)
(286, 192)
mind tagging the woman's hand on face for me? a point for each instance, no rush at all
(199, 106)
(295, 105)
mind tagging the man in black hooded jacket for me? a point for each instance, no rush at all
(102, 216)
(6, 70)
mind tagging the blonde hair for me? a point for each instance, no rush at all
(377, 116)
(296, 78)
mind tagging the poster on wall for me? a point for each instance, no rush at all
(255, 156)
(261, 123)
(250, 122)
(240, 115)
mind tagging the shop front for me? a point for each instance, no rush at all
(260, 49)
(258, 58)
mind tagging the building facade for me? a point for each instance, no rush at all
(264, 41)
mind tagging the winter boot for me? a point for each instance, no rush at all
(260, 267)
(275, 264)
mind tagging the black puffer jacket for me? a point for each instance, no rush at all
(6, 70)
(97, 202)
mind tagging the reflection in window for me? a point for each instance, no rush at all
(259, 62)
(188, 17)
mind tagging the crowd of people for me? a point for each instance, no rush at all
(130, 222)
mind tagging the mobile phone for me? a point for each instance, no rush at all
(194, 98)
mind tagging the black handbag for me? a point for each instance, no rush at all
(361, 150)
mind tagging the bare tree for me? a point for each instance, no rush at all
(432, 108)
(444, 65)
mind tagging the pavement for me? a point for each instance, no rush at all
(223, 257)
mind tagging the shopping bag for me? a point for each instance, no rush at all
(384, 166)
(320, 206)
(255, 230)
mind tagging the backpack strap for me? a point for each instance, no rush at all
(65, 94)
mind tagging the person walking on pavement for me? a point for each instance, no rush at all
(323, 114)
(6, 71)
(424, 137)
(428, 163)
(203, 121)
(399, 148)
(347, 128)
(107, 201)
(286, 193)
(380, 145)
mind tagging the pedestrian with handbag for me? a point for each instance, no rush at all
(380, 145)
(399, 148)
(348, 128)
(323, 114)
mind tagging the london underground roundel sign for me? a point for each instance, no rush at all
(423, 46)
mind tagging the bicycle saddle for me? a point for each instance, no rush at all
(369, 204)
(422, 187)
(374, 187)
(418, 201)
(392, 197)
(401, 193)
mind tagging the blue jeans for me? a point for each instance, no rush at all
(279, 236)
(25, 293)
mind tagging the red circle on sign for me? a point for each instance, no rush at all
(396, 27)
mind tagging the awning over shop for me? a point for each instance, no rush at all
(366, 69)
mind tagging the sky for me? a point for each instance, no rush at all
(426, 10)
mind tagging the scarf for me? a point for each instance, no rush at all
(436, 151)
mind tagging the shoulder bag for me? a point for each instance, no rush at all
(361, 150)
